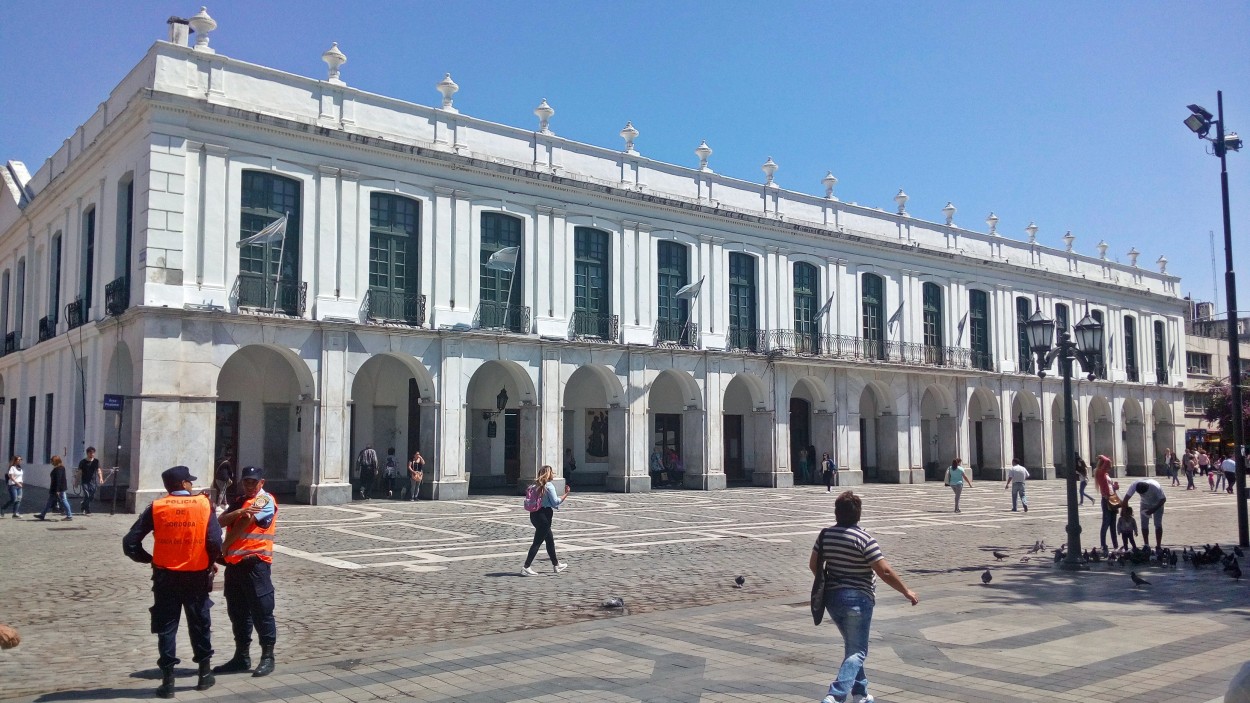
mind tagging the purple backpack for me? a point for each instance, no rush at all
(533, 498)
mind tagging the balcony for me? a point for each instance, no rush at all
(671, 333)
(505, 318)
(75, 313)
(588, 325)
(258, 293)
(746, 339)
(395, 306)
(1161, 376)
(836, 346)
(47, 328)
(12, 342)
(982, 360)
(117, 296)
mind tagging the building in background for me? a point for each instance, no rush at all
(1206, 361)
(492, 294)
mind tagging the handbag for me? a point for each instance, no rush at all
(818, 583)
(947, 480)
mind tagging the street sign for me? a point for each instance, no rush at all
(113, 402)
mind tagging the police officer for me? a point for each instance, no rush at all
(250, 523)
(186, 543)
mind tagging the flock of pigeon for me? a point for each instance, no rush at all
(1117, 558)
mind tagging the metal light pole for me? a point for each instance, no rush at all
(1200, 123)
(1041, 333)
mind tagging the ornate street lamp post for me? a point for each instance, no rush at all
(1086, 349)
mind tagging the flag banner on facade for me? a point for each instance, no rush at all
(1111, 349)
(824, 309)
(504, 259)
(898, 315)
(959, 338)
(273, 232)
(1172, 356)
(691, 291)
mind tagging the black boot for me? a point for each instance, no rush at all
(166, 689)
(242, 661)
(265, 667)
(206, 679)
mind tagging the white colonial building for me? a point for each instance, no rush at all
(891, 342)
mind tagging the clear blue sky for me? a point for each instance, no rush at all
(1066, 113)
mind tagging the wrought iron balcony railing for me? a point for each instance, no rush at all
(672, 333)
(593, 325)
(257, 292)
(1133, 376)
(75, 313)
(982, 360)
(12, 342)
(836, 346)
(507, 318)
(395, 306)
(746, 339)
(1161, 376)
(47, 328)
(117, 296)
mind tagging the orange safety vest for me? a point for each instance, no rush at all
(180, 530)
(250, 539)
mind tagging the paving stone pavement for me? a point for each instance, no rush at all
(403, 601)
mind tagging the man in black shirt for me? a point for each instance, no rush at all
(56, 491)
(89, 477)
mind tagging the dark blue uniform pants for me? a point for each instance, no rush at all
(249, 602)
(176, 591)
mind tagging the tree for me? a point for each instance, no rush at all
(1220, 408)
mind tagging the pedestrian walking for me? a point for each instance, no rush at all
(1127, 526)
(956, 477)
(1173, 466)
(223, 479)
(848, 556)
(416, 474)
(655, 467)
(1110, 502)
(1204, 462)
(548, 503)
(186, 546)
(89, 479)
(367, 461)
(1082, 476)
(1229, 467)
(1191, 467)
(570, 465)
(1017, 475)
(805, 474)
(829, 470)
(14, 480)
(250, 524)
(1151, 507)
(391, 474)
(57, 492)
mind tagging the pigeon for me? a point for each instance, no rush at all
(1238, 552)
(739, 581)
(613, 603)
(999, 556)
(1024, 560)
(986, 577)
(1172, 560)
(1236, 571)
(1231, 564)
(1137, 580)
(1037, 547)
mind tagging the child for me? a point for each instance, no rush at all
(1127, 527)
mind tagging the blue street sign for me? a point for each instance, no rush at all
(113, 402)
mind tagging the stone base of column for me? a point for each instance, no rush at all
(779, 479)
(1048, 473)
(902, 475)
(136, 501)
(705, 482)
(849, 477)
(1137, 471)
(990, 474)
(627, 484)
(444, 490)
(324, 494)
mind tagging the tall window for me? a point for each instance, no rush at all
(4, 303)
(872, 319)
(979, 329)
(1130, 348)
(19, 298)
(265, 198)
(1101, 371)
(54, 278)
(117, 291)
(394, 225)
(88, 261)
(1198, 364)
(672, 273)
(1023, 310)
(47, 427)
(501, 291)
(806, 305)
(742, 327)
(1061, 320)
(591, 291)
(1161, 354)
(933, 322)
(30, 427)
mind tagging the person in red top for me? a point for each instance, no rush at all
(186, 543)
(1110, 501)
(250, 525)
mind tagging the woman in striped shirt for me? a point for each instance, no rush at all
(850, 556)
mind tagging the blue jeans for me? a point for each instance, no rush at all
(851, 611)
(55, 499)
(1017, 491)
(15, 499)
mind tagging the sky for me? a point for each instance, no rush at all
(1067, 114)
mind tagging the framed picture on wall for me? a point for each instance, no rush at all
(596, 436)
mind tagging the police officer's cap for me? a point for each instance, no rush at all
(253, 472)
(174, 476)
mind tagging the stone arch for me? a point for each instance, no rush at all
(1059, 451)
(938, 430)
(118, 427)
(392, 408)
(812, 428)
(594, 428)
(878, 433)
(262, 392)
(1133, 421)
(509, 459)
(985, 434)
(1101, 429)
(1026, 433)
(675, 415)
(1164, 432)
(746, 425)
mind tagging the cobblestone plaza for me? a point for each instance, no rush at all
(403, 601)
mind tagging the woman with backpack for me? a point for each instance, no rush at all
(541, 501)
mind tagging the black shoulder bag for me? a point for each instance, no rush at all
(818, 584)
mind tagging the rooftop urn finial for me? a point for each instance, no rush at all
(1132, 256)
(949, 213)
(1068, 238)
(829, 182)
(992, 221)
(1102, 247)
(202, 24)
(629, 133)
(544, 113)
(770, 169)
(448, 88)
(901, 199)
(1163, 264)
(703, 151)
(1032, 230)
(334, 59)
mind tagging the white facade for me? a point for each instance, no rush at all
(207, 360)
